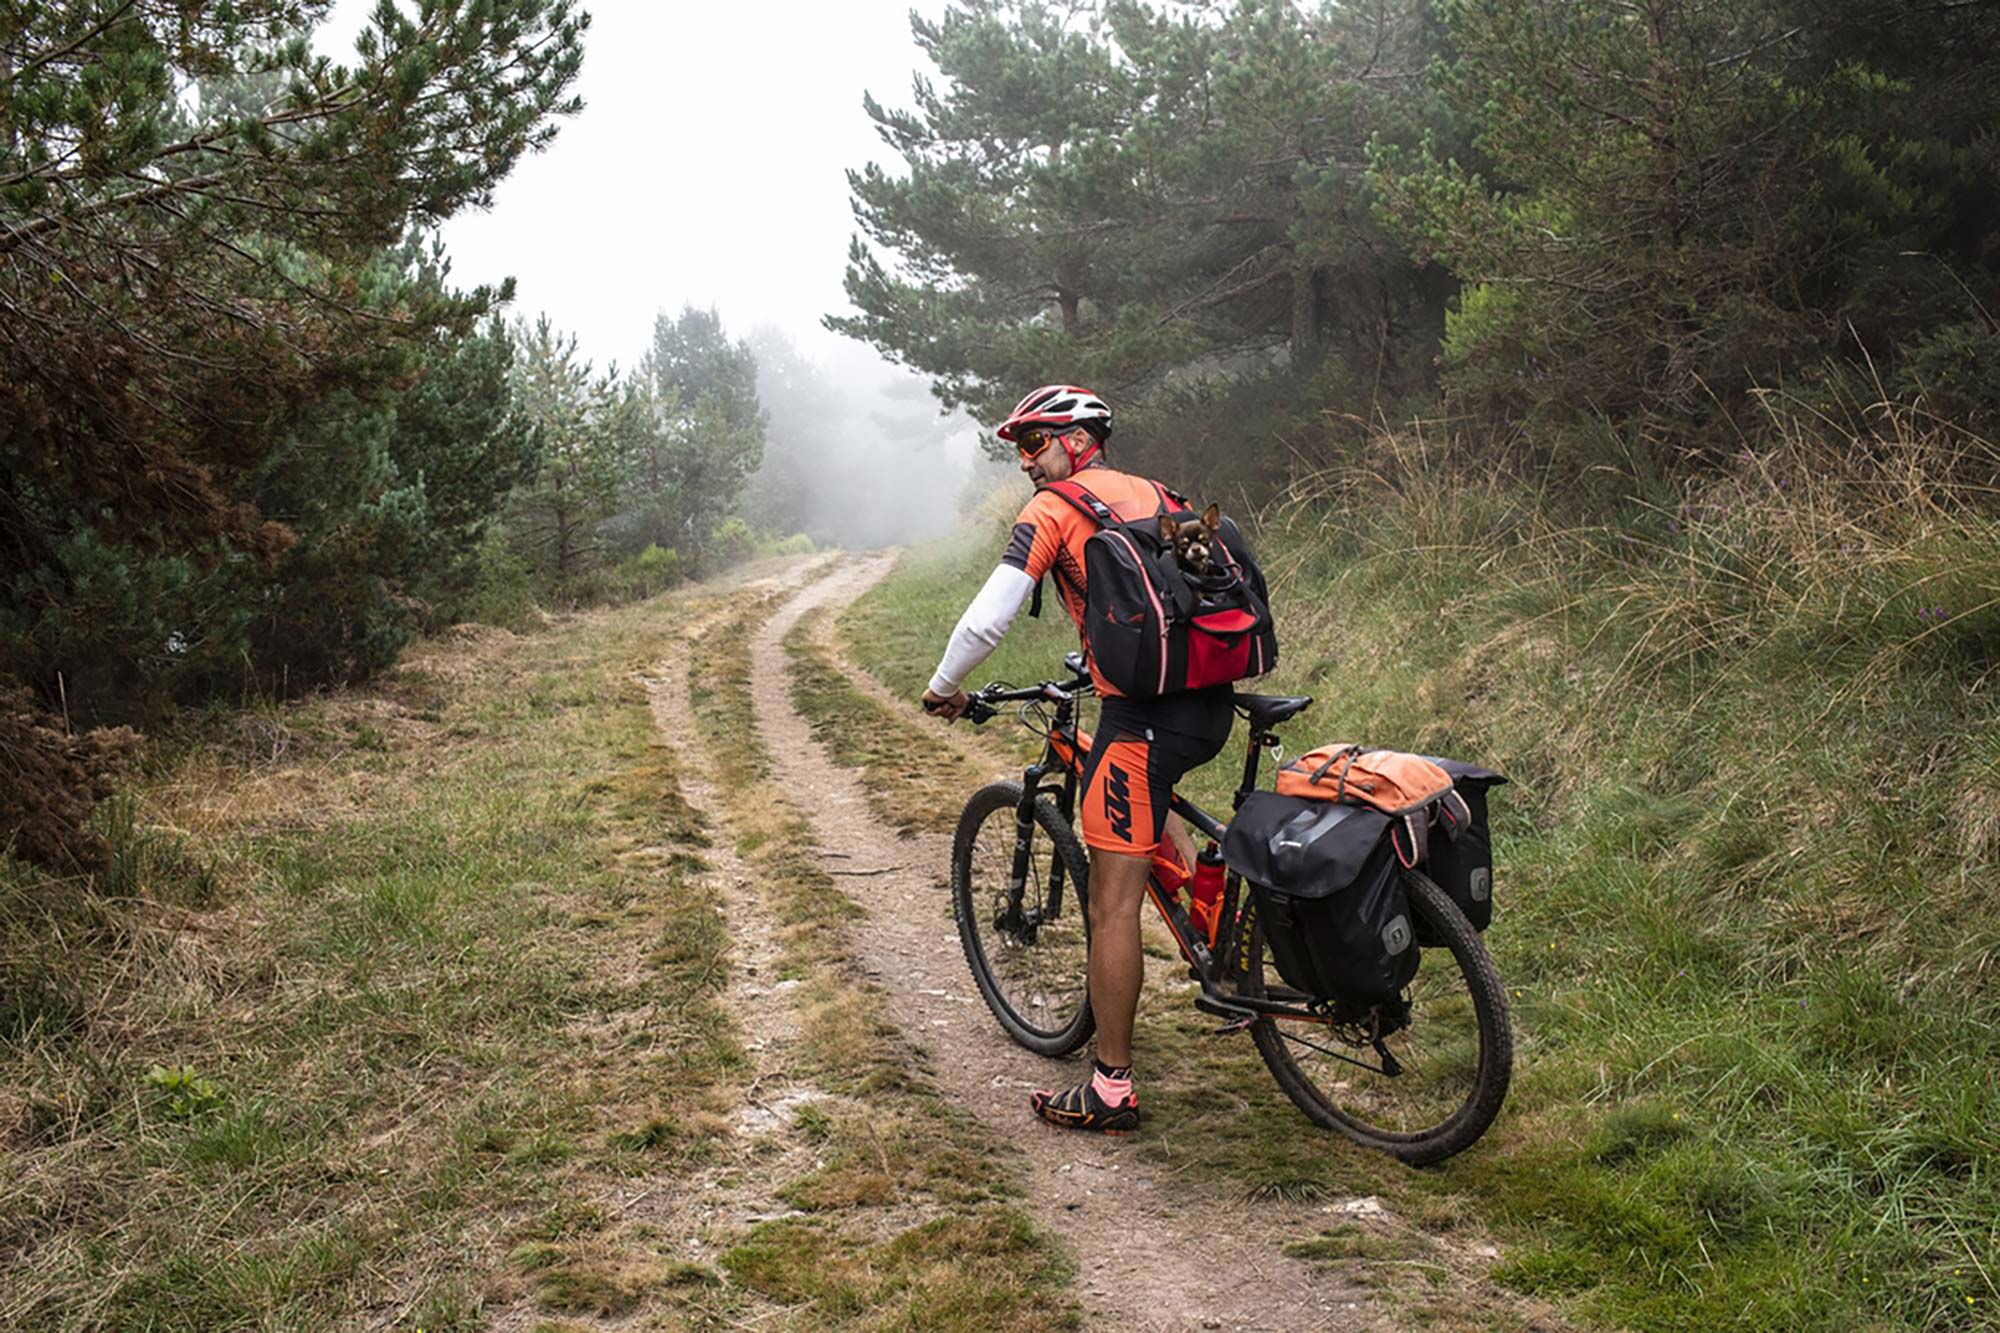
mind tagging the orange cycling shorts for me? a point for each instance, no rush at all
(1143, 747)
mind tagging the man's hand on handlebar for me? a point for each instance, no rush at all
(948, 707)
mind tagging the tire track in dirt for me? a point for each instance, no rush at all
(986, 750)
(702, 1213)
(1150, 1253)
(761, 1003)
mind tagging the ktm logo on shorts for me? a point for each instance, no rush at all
(1118, 801)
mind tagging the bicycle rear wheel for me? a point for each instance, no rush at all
(1455, 1047)
(1031, 959)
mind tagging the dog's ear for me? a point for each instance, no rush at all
(1169, 530)
(1211, 517)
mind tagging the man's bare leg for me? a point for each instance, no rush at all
(1117, 888)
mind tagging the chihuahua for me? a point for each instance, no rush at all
(1194, 540)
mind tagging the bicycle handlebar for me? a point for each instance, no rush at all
(983, 706)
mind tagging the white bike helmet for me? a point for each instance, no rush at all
(1059, 405)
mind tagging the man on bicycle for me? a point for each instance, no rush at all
(1142, 747)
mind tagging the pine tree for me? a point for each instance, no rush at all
(1674, 201)
(692, 433)
(183, 193)
(575, 419)
(1135, 191)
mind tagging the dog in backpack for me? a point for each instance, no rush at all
(1193, 542)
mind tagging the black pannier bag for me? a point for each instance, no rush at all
(1329, 892)
(1153, 628)
(1463, 867)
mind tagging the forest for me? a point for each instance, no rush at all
(1615, 383)
(255, 438)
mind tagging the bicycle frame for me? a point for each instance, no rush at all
(1057, 775)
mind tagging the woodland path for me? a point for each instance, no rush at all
(1150, 1251)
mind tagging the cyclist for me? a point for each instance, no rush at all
(1142, 747)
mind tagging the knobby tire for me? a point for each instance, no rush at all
(1006, 970)
(1460, 947)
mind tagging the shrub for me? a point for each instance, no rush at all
(731, 544)
(52, 782)
(797, 544)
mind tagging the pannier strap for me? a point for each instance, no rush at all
(1350, 754)
(1419, 842)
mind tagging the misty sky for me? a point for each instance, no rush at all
(706, 167)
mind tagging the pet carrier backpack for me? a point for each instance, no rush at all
(1154, 628)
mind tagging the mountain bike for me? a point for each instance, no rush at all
(1420, 1076)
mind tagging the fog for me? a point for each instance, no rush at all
(707, 168)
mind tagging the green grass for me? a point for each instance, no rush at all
(1743, 892)
(904, 767)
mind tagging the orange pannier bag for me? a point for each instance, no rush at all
(1407, 787)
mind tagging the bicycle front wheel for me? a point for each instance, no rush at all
(1452, 1053)
(1029, 951)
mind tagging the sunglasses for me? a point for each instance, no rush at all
(1032, 444)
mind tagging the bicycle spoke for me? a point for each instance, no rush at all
(1437, 1057)
(1038, 972)
(1450, 1055)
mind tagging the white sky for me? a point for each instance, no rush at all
(706, 167)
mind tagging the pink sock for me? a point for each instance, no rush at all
(1113, 1086)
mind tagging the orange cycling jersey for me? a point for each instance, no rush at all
(1050, 533)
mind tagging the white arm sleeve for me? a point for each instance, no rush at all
(980, 628)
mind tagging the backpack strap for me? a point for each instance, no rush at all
(1080, 498)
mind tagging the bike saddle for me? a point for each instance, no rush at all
(1268, 710)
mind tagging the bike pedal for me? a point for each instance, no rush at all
(1235, 1026)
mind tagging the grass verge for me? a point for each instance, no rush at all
(382, 999)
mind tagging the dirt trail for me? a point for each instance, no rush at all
(704, 1214)
(988, 750)
(1150, 1254)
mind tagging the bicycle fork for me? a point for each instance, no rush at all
(1022, 918)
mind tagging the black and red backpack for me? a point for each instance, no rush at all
(1153, 628)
